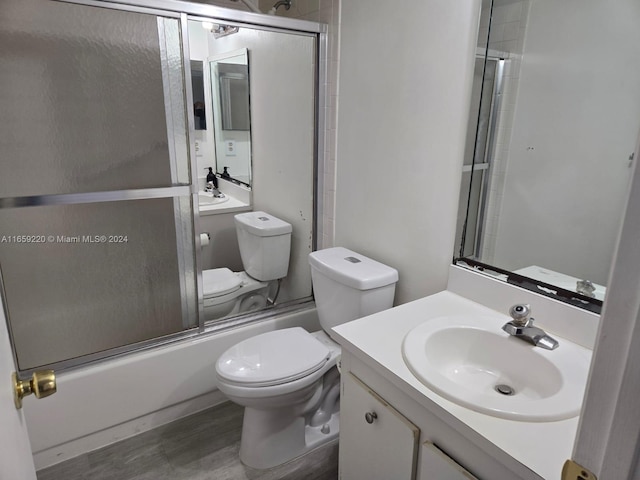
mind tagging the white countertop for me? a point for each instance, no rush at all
(238, 199)
(543, 447)
(230, 206)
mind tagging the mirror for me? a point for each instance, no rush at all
(199, 101)
(229, 74)
(554, 120)
(233, 93)
(261, 126)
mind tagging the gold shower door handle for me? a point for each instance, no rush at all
(42, 384)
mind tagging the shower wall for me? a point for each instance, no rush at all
(223, 250)
(325, 11)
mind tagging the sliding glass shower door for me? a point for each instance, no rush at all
(96, 215)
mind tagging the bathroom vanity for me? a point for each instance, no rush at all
(236, 198)
(394, 426)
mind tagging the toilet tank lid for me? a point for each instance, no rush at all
(352, 269)
(262, 224)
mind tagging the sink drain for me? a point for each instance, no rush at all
(504, 389)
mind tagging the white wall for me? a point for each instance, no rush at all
(405, 87)
(223, 249)
(328, 12)
(576, 120)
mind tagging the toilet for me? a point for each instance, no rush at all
(265, 243)
(287, 379)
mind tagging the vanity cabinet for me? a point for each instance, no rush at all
(437, 465)
(406, 439)
(376, 441)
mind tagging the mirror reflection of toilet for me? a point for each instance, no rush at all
(265, 243)
(287, 379)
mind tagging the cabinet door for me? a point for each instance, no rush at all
(376, 441)
(437, 465)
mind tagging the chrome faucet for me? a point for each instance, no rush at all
(211, 188)
(522, 327)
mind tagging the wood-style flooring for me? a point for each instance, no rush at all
(203, 446)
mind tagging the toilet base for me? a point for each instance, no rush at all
(270, 439)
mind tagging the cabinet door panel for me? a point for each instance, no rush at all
(437, 465)
(384, 449)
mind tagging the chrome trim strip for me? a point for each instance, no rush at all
(175, 103)
(197, 18)
(187, 270)
(180, 109)
(175, 7)
(94, 197)
(164, 62)
(320, 158)
(170, 122)
(474, 167)
(193, 162)
(126, 8)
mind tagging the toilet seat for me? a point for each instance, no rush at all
(273, 358)
(219, 281)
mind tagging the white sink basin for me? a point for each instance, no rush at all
(468, 359)
(206, 198)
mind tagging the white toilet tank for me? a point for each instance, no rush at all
(265, 243)
(348, 285)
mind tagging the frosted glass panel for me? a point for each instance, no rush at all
(82, 95)
(90, 277)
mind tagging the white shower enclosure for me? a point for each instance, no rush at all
(99, 252)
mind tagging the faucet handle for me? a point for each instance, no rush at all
(521, 314)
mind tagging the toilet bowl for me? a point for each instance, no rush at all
(230, 293)
(287, 379)
(285, 382)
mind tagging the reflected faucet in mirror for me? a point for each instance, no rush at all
(586, 288)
